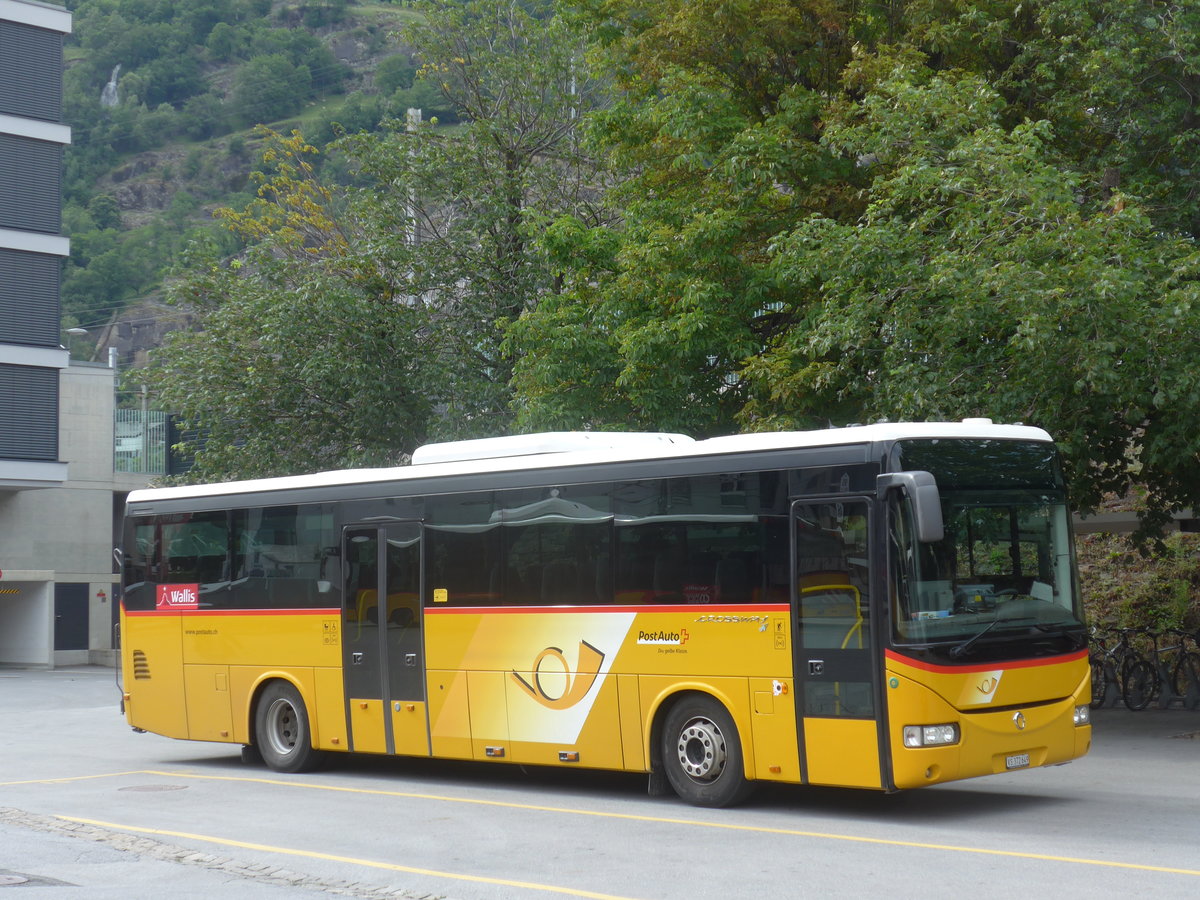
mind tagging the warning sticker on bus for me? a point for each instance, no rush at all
(178, 596)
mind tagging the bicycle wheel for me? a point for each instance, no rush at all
(1186, 678)
(1138, 687)
(1099, 682)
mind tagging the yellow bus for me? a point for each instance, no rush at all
(880, 607)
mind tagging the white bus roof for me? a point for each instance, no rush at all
(558, 449)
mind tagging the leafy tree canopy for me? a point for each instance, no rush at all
(367, 317)
(826, 212)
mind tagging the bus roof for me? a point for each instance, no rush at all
(559, 449)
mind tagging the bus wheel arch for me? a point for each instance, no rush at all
(282, 728)
(695, 743)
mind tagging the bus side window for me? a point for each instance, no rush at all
(142, 564)
(196, 551)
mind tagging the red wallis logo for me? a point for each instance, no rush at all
(178, 596)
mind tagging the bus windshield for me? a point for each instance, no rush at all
(1000, 584)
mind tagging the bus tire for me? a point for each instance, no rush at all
(702, 754)
(281, 730)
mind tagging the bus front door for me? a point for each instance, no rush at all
(835, 673)
(382, 639)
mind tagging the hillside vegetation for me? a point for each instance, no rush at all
(172, 137)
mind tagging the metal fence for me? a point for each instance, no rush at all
(140, 441)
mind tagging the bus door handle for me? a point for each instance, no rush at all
(410, 660)
(816, 667)
(356, 659)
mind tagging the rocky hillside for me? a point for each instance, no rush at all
(163, 100)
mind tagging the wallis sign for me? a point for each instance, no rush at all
(178, 596)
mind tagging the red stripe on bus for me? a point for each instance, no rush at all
(986, 667)
(477, 610)
(323, 611)
(704, 608)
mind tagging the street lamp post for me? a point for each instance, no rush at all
(74, 332)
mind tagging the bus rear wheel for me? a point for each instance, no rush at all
(702, 754)
(281, 729)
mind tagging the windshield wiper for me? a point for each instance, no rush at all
(1077, 640)
(959, 650)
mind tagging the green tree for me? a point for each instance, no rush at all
(366, 319)
(822, 212)
(394, 72)
(268, 87)
(104, 211)
(976, 284)
(311, 354)
(714, 137)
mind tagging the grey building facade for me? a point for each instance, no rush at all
(32, 361)
(32, 138)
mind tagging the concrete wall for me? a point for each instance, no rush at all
(66, 532)
(26, 618)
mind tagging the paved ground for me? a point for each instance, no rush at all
(196, 823)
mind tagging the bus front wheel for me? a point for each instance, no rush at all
(282, 732)
(702, 754)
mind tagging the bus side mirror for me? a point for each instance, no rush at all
(922, 492)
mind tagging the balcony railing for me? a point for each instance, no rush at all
(141, 439)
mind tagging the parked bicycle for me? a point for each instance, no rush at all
(1185, 673)
(1139, 669)
(1138, 675)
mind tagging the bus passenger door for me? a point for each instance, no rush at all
(382, 639)
(835, 669)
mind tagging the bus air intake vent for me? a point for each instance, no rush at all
(141, 667)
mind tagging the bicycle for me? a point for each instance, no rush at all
(1185, 674)
(1140, 682)
(1100, 660)
(1111, 665)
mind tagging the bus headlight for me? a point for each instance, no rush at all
(930, 735)
(1083, 715)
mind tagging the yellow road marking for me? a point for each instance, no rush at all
(665, 820)
(332, 857)
(71, 778)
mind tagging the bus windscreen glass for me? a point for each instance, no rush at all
(1001, 583)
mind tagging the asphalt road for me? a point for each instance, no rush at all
(88, 809)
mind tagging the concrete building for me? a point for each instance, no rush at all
(56, 416)
(59, 590)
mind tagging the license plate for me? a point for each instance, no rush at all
(1017, 761)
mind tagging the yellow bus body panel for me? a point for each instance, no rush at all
(209, 713)
(582, 687)
(409, 728)
(329, 711)
(279, 639)
(634, 738)
(489, 715)
(842, 752)
(194, 675)
(773, 730)
(152, 665)
(366, 724)
(449, 715)
(1003, 712)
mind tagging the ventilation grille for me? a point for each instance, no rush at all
(141, 666)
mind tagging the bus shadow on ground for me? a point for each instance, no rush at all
(552, 786)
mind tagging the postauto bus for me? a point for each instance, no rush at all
(880, 607)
